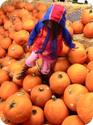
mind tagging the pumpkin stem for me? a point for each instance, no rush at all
(60, 75)
(1, 100)
(54, 98)
(90, 10)
(41, 89)
(33, 74)
(34, 111)
(12, 105)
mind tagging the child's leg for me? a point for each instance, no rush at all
(30, 61)
(46, 66)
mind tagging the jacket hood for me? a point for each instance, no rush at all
(56, 13)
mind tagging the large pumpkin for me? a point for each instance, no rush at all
(87, 16)
(55, 111)
(72, 94)
(72, 120)
(15, 51)
(77, 73)
(18, 108)
(85, 107)
(88, 30)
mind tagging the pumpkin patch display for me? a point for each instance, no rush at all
(65, 96)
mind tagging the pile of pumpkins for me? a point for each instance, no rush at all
(67, 97)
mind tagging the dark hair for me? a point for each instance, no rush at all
(55, 28)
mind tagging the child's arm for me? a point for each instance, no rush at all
(67, 38)
(35, 32)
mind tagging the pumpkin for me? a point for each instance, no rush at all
(7, 89)
(65, 49)
(88, 81)
(77, 73)
(87, 16)
(18, 108)
(40, 94)
(90, 65)
(77, 54)
(30, 81)
(5, 42)
(4, 76)
(2, 103)
(73, 120)
(89, 52)
(28, 24)
(55, 109)
(72, 94)
(58, 82)
(85, 108)
(37, 117)
(15, 51)
(61, 64)
(2, 52)
(77, 27)
(4, 120)
(21, 37)
(88, 30)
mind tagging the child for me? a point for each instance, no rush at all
(46, 38)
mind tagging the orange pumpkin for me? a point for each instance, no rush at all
(87, 16)
(2, 52)
(30, 81)
(37, 117)
(15, 51)
(28, 24)
(88, 30)
(85, 107)
(7, 89)
(8, 8)
(90, 65)
(58, 82)
(2, 103)
(29, 6)
(72, 120)
(4, 76)
(5, 42)
(72, 94)
(40, 94)
(59, 110)
(77, 54)
(21, 37)
(77, 27)
(4, 120)
(77, 73)
(18, 108)
(89, 52)
(88, 81)
(61, 64)
(65, 49)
